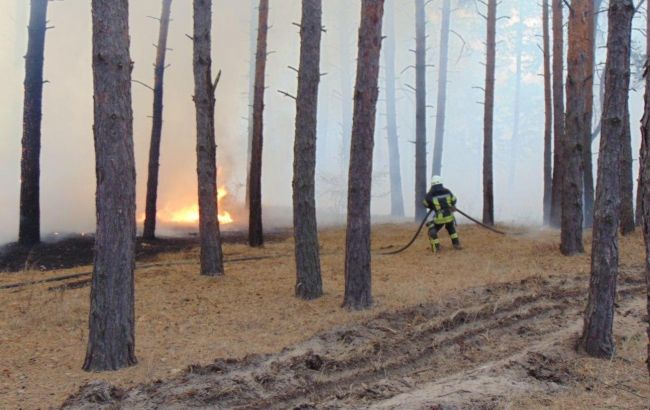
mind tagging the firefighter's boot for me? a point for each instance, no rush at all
(435, 245)
(456, 242)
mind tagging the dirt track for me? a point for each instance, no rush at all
(479, 349)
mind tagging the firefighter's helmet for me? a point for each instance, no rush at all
(436, 180)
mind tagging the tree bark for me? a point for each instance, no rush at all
(558, 113)
(627, 177)
(597, 336)
(488, 115)
(111, 337)
(255, 230)
(309, 284)
(29, 230)
(587, 155)
(149, 231)
(206, 148)
(442, 87)
(514, 143)
(396, 196)
(640, 185)
(579, 94)
(588, 176)
(645, 176)
(420, 110)
(548, 116)
(251, 97)
(346, 84)
(358, 294)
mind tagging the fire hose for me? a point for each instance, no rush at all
(424, 220)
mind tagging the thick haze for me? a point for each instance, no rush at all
(67, 159)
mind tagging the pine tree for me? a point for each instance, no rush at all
(396, 196)
(206, 148)
(309, 284)
(111, 336)
(255, 230)
(420, 110)
(548, 117)
(558, 112)
(149, 231)
(579, 101)
(29, 230)
(597, 337)
(488, 115)
(358, 289)
(441, 105)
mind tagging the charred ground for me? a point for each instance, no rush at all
(77, 250)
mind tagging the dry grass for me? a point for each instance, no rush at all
(184, 318)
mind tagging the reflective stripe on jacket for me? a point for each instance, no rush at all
(441, 201)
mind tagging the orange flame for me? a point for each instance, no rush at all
(189, 215)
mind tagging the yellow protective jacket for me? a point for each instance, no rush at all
(442, 201)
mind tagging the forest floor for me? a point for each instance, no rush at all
(492, 326)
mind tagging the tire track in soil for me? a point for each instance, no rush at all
(393, 353)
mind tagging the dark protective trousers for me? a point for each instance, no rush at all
(435, 228)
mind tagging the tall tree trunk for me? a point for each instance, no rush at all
(558, 113)
(645, 176)
(255, 231)
(588, 182)
(420, 110)
(396, 197)
(29, 230)
(309, 284)
(514, 143)
(251, 96)
(597, 336)
(588, 168)
(598, 103)
(627, 177)
(111, 336)
(548, 117)
(640, 184)
(156, 128)
(579, 94)
(358, 294)
(346, 80)
(488, 115)
(442, 87)
(206, 148)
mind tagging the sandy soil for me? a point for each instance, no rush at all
(421, 338)
(483, 348)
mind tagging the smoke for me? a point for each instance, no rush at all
(67, 160)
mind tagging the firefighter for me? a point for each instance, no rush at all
(443, 203)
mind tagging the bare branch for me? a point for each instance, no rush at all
(143, 84)
(462, 48)
(216, 82)
(286, 94)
